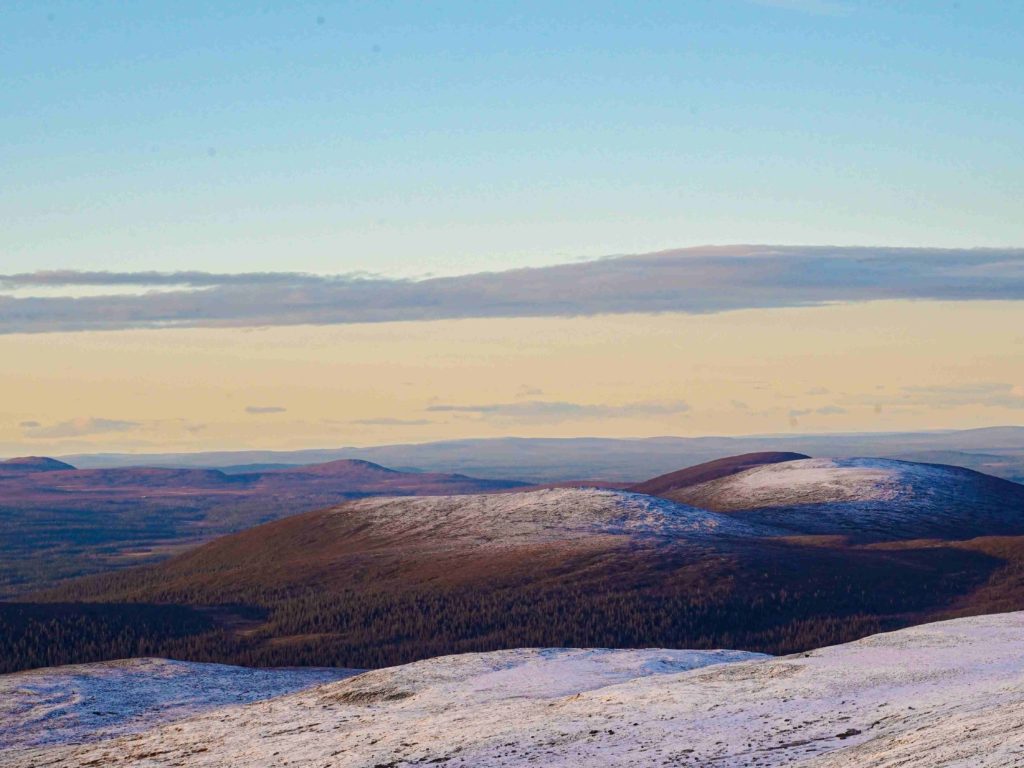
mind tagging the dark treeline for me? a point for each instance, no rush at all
(43, 635)
(367, 631)
(782, 604)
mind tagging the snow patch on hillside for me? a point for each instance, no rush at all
(877, 498)
(837, 480)
(544, 515)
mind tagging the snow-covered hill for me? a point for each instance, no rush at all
(947, 694)
(878, 498)
(538, 516)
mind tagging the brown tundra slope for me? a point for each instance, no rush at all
(375, 582)
(57, 521)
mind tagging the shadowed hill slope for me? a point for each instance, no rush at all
(711, 470)
(28, 464)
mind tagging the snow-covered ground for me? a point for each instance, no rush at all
(947, 694)
(544, 515)
(881, 497)
(834, 480)
(87, 702)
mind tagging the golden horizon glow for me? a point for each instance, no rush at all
(875, 366)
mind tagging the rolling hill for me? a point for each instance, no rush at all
(663, 485)
(25, 465)
(58, 522)
(867, 499)
(794, 561)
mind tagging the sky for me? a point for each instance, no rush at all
(302, 225)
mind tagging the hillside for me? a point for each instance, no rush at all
(58, 522)
(711, 470)
(868, 499)
(383, 581)
(947, 694)
(24, 465)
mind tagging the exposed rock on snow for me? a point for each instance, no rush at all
(87, 702)
(878, 498)
(949, 694)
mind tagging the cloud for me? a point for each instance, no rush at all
(528, 391)
(78, 427)
(385, 421)
(68, 277)
(796, 414)
(259, 409)
(985, 393)
(817, 391)
(830, 410)
(29, 424)
(695, 280)
(554, 410)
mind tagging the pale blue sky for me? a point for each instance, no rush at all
(450, 137)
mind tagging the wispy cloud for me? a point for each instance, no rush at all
(696, 280)
(795, 414)
(830, 410)
(68, 277)
(77, 428)
(991, 394)
(555, 410)
(385, 421)
(260, 409)
(527, 391)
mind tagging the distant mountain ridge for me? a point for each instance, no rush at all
(993, 450)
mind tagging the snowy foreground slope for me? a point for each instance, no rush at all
(946, 694)
(93, 701)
